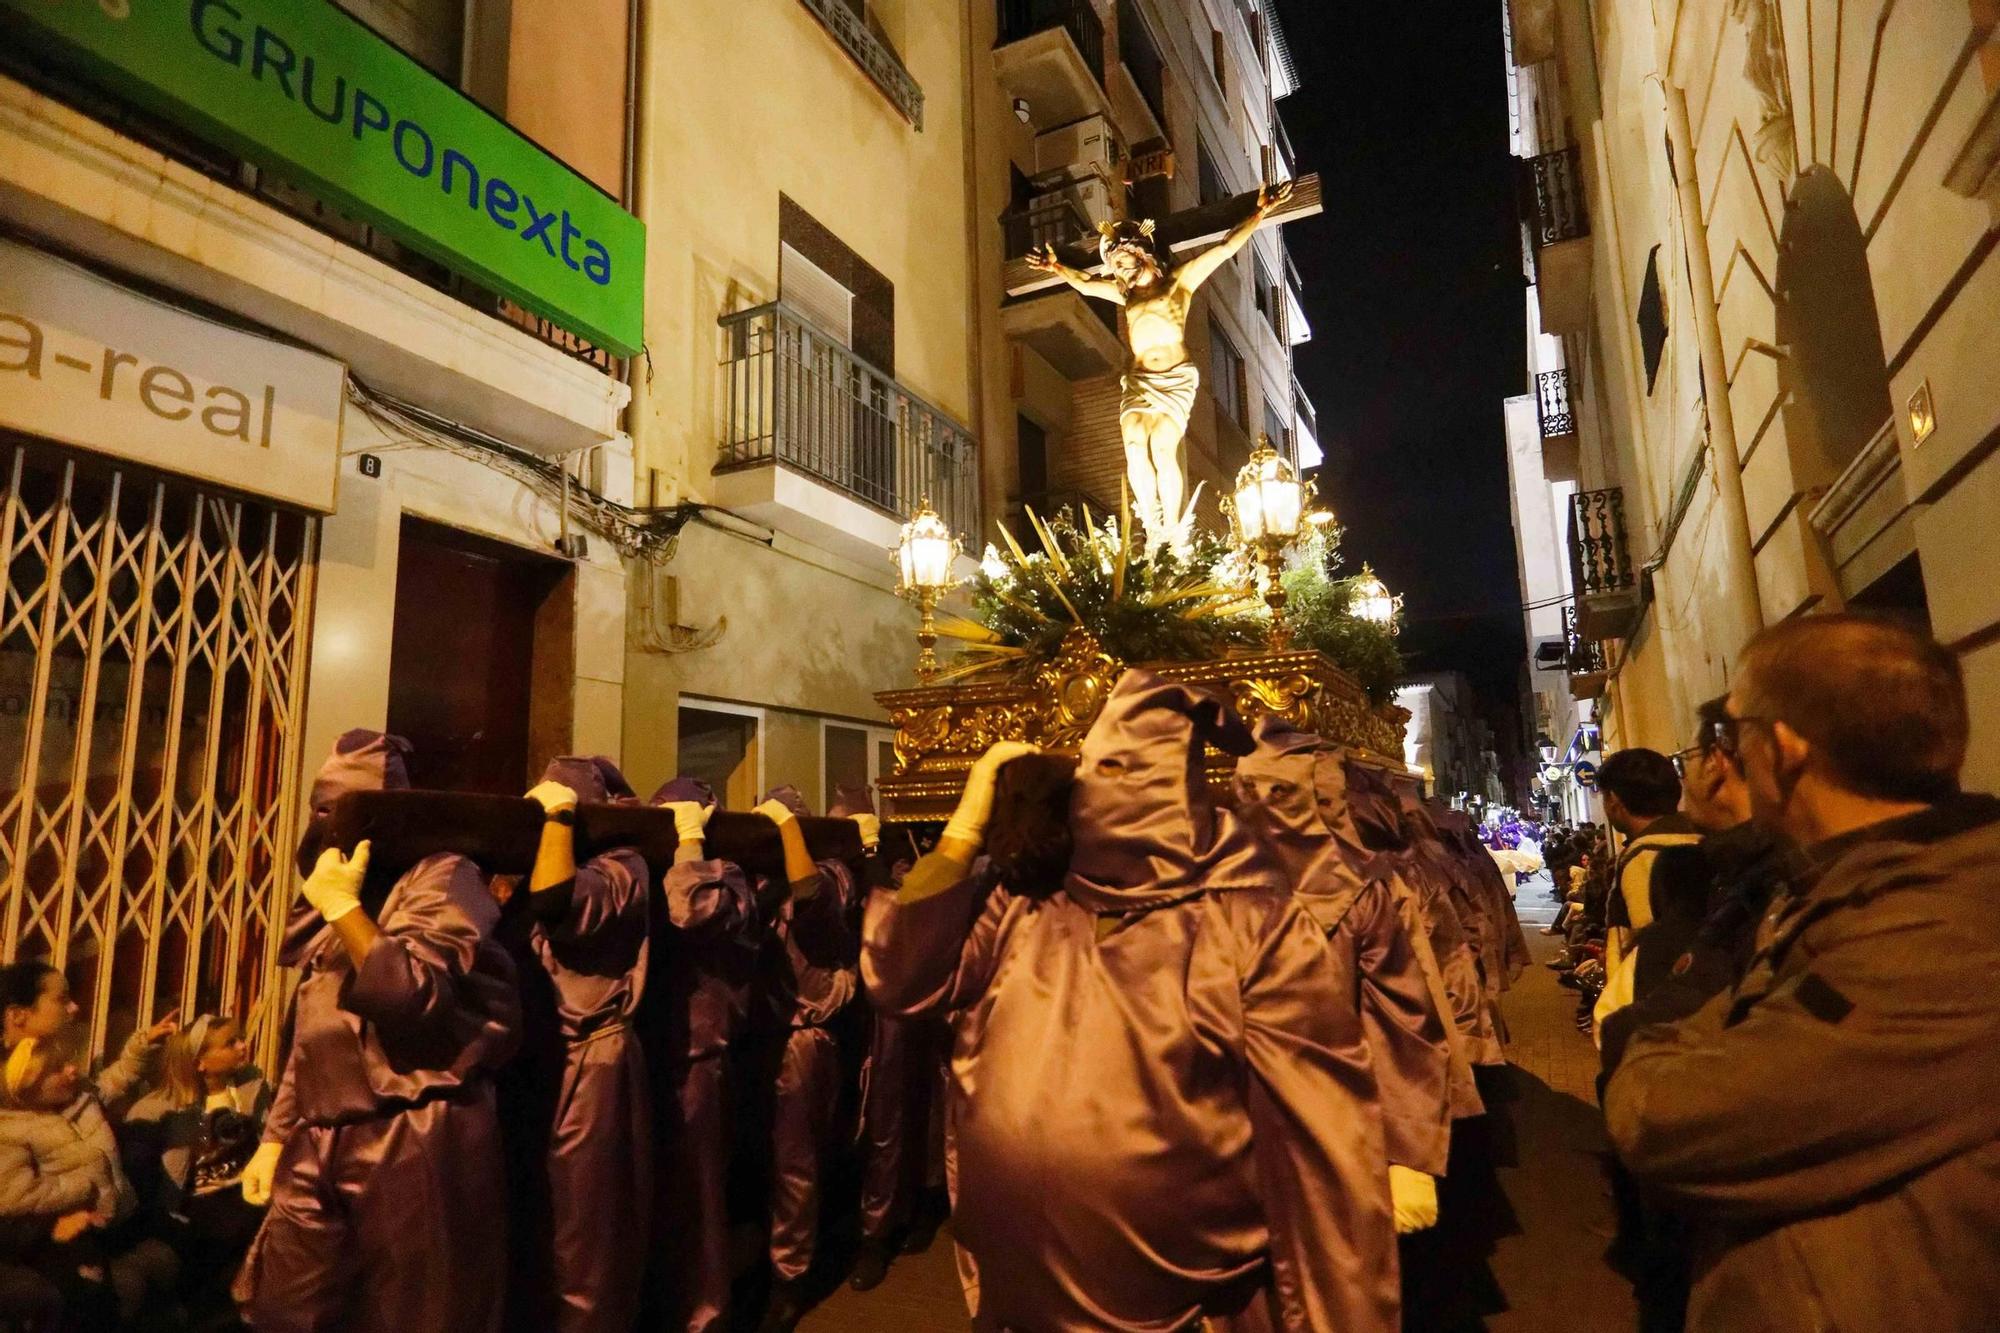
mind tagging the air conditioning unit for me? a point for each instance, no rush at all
(1089, 144)
(1089, 194)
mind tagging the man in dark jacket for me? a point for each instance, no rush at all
(1832, 1126)
(1696, 949)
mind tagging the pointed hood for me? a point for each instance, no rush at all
(849, 801)
(362, 760)
(1276, 789)
(1372, 805)
(788, 796)
(685, 788)
(1147, 832)
(594, 778)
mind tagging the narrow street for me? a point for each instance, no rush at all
(1551, 1270)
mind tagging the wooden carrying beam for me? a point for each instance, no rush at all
(1179, 235)
(501, 833)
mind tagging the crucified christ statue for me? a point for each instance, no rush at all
(1158, 387)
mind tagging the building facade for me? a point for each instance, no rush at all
(1084, 111)
(811, 370)
(310, 387)
(1761, 240)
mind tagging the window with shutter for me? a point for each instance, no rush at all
(816, 294)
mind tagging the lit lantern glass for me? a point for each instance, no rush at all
(925, 551)
(1372, 600)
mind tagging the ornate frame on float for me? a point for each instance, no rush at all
(942, 729)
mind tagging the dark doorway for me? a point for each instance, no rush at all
(1828, 326)
(1031, 457)
(481, 665)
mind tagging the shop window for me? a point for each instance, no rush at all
(854, 756)
(722, 744)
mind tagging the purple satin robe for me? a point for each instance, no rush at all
(1151, 1116)
(388, 1209)
(1374, 961)
(811, 975)
(1162, 1104)
(600, 1159)
(704, 972)
(899, 1091)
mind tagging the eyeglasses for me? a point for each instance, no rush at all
(1727, 734)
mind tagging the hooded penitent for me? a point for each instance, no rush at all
(1370, 951)
(600, 1159)
(386, 1107)
(704, 972)
(1429, 846)
(1378, 819)
(1162, 1101)
(1146, 829)
(811, 974)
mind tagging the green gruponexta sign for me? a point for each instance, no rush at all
(302, 87)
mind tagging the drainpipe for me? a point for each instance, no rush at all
(638, 141)
(975, 341)
(1739, 562)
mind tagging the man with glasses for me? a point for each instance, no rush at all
(1832, 1125)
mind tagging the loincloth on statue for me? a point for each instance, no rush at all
(1168, 393)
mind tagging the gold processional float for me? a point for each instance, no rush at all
(1047, 687)
(1053, 628)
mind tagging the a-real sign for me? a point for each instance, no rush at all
(307, 90)
(91, 363)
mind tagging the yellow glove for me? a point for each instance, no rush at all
(975, 806)
(690, 819)
(871, 829)
(334, 887)
(553, 797)
(1415, 1197)
(776, 811)
(260, 1172)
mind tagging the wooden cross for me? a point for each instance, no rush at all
(1178, 234)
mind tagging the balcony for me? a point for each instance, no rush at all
(870, 50)
(1589, 672)
(1305, 429)
(1601, 571)
(1560, 459)
(1142, 76)
(1051, 54)
(1076, 335)
(821, 445)
(1554, 208)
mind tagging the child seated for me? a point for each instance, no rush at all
(60, 1173)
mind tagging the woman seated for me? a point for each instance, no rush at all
(63, 1187)
(185, 1146)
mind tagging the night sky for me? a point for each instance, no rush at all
(1414, 292)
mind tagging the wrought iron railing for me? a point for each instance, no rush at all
(1552, 403)
(797, 396)
(1052, 219)
(1598, 554)
(1025, 18)
(1555, 187)
(868, 49)
(1582, 657)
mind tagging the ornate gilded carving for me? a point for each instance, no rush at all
(941, 729)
